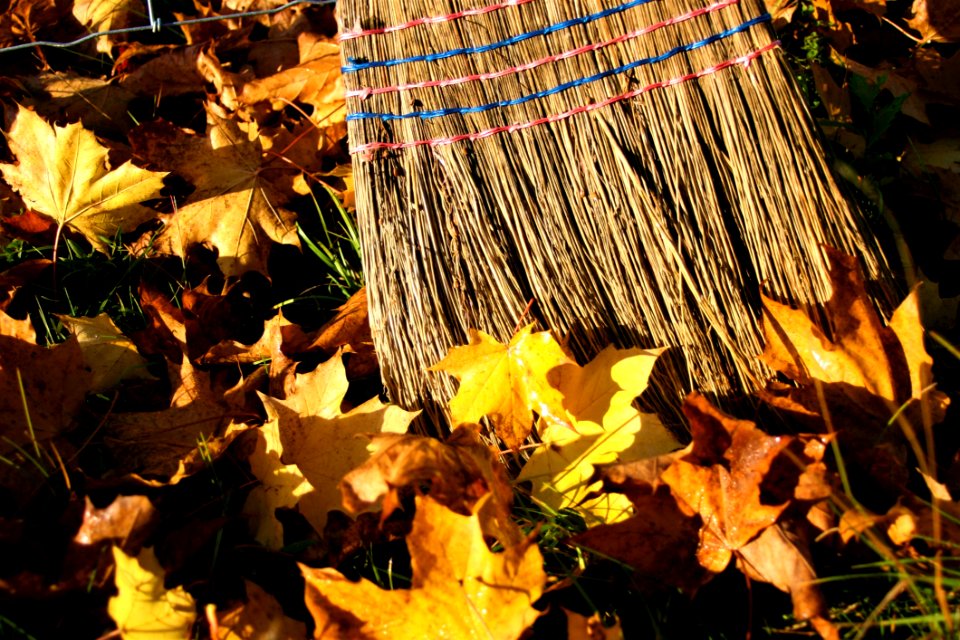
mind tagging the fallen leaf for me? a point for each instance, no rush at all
(64, 173)
(460, 589)
(323, 442)
(606, 429)
(111, 357)
(721, 480)
(127, 520)
(143, 609)
(261, 618)
(782, 559)
(235, 210)
(63, 96)
(350, 327)
(456, 473)
(202, 419)
(506, 382)
(936, 20)
(281, 486)
(106, 15)
(659, 542)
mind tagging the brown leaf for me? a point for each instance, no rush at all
(234, 211)
(460, 589)
(780, 558)
(720, 480)
(164, 444)
(659, 542)
(936, 20)
(128, 520)
(457, 473)
(261, 618)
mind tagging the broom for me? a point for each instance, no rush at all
(637, 169)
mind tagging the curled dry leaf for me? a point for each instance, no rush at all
(457, 473)
(105, 15)
(862, 373)
(583, 628)
(936, 20)
(64, 173)
(507, 382)
(460, 589)
(143, 609)
(781, 558)
(127, 520)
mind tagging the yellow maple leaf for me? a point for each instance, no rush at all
(607, 429)
(261, 618)
(234, 209)
(460, 589)
(281, 485)
(143, 609)
(324, 443)
(64, 173)
(507, 382)
(110, 355)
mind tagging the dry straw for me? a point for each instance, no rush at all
(638, 169)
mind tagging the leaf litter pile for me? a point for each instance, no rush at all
(193, 444)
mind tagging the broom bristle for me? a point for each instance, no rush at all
(643, 171)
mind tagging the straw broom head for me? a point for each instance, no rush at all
(638, 169)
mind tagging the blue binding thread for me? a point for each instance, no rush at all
(439, 113)
(355, 65)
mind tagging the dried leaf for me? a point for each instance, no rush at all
(457, 473)
(460, 588)
(720, 480)
(105, 15)
(111, 357)
(281, 486)
(507, 382)
(936, 20)
(234, 210)
(607, 429)
(659, 542)
(63, 173)
(261, 618)
(583, 628)
(323, 442)
(126, 520)
(143, 609)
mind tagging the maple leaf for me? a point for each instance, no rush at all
(64, 173)
(281, 485)
(235, 209)
(323, 442)
(720, 480)
(460, 589)
(261, 618)
(936, 20)
(165, 443)
(606, 429)
(105, 15)
(110, 356)
(457, 472)
(506, 382)
(143, 609)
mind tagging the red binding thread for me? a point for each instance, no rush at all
(744, 60)
(366, 92)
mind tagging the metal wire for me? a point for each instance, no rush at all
(155, 24)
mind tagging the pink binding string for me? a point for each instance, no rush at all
(744, 60)
(450, 17)
(365, 92)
